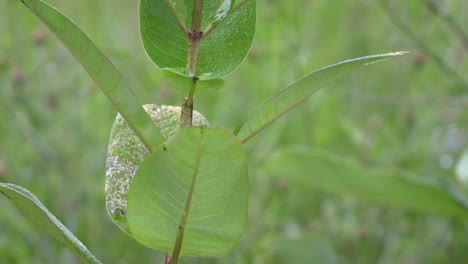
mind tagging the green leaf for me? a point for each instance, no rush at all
(290, 96)
(202, 174)
(101, 70)
(220, 52)
(321, 170)
(125, 153)
(37, 211)
(182, 79)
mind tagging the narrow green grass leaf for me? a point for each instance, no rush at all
(290, 96)
(29, 203)
(194, 191)
(220, 52)
(390, 187)
(101, 70)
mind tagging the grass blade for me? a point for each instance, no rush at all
(289, 97)
(101, 70)
(321, 170)
(29, 203)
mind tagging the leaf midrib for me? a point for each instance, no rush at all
(188, 203)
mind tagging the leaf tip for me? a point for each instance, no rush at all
(384, 56)
(398, 53)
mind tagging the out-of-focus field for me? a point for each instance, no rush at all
(410, 113)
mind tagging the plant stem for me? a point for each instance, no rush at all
(186, 112)
(167, 259)
(194, 36)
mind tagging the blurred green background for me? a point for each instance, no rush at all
(409, 113)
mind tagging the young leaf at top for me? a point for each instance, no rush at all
(101, 70)
(221, 51)
(29, 203)
(190, 198)
(182, 79)
(384, 186)
(290, 96)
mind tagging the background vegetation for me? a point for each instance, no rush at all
(408, 113)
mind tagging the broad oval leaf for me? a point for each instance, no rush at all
(101, 70)
(321, 170)
(290, 96)
(29, 203)
(126, 152)
(201, 174)
(220, 52)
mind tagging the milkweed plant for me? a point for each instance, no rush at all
(175, 182)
